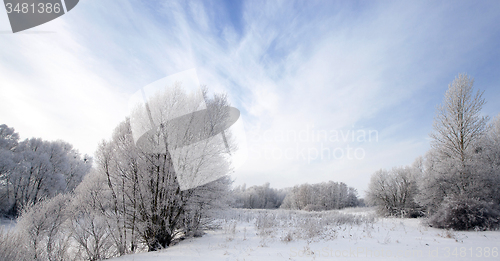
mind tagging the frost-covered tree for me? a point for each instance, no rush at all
(487, 163)
(44, 170)
(34, 170)
(9, 140)
(394, 191)
(458, 128)
(459, 181)
(144, 200)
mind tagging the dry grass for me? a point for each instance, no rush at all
(288, 225)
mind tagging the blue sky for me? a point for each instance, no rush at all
(290, 67)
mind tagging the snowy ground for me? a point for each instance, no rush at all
(348, 234)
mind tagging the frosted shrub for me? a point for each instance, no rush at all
(288, 237)
(42, 230)
(462, 213)
(311, 227)
(265, 221)
(393, 191)
(90, 224)
(230, 230)
(92, 235)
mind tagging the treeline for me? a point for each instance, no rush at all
(323, 196)
(457, 183)
(316, 197)
(257, 197)
(34, 170)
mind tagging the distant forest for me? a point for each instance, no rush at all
(316, 197)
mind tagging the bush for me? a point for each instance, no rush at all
(462, 213)
(393, 191)
(42, 229)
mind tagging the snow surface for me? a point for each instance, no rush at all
(283, 236)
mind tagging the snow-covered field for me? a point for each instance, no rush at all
(348, 234)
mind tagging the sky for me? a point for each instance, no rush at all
(327, 90)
